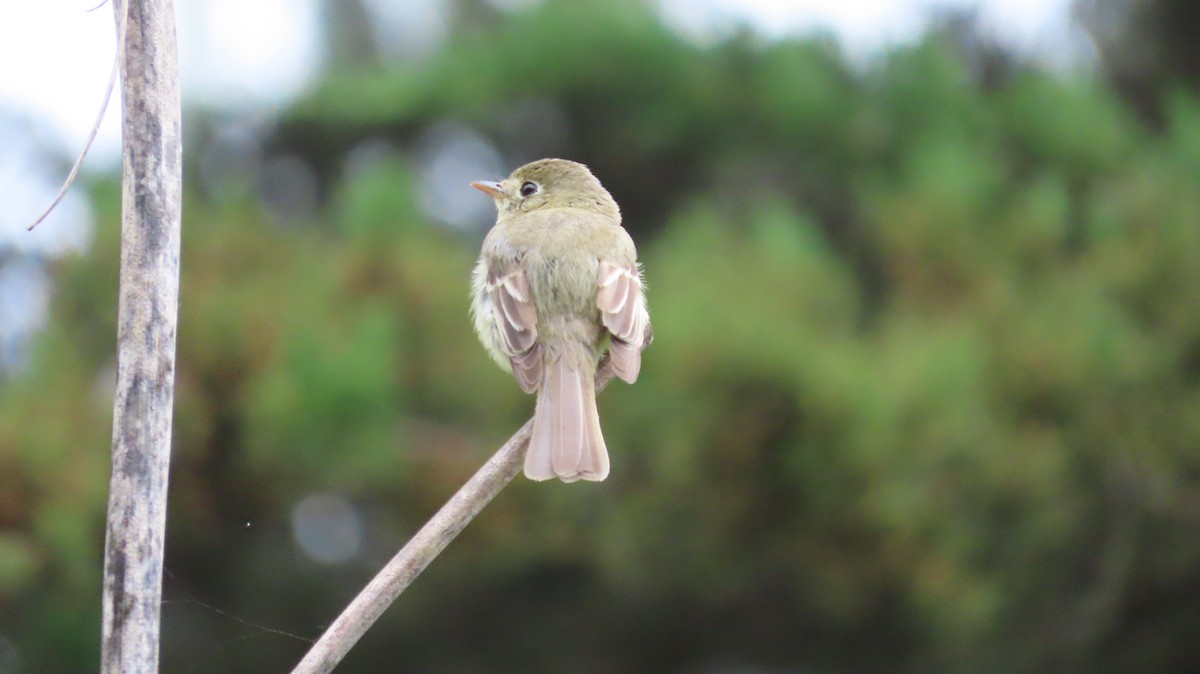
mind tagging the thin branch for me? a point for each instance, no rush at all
(427, 544)
(123, 17)
(412, 559)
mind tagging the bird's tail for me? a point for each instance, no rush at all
(566, 441)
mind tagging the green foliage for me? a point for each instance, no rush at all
(923, 396)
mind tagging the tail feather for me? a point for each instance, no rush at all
(566, 441)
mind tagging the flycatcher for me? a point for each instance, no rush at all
(557, 287)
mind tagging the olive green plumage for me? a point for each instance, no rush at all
(557, 286)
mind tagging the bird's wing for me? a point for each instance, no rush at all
(516, 321)
(623, 311)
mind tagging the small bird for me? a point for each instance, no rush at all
(557, 287)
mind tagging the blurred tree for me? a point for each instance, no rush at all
(350, 40)
(1148, 48)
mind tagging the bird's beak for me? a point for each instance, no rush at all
(492, 189)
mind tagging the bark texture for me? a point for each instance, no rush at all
(146, 324)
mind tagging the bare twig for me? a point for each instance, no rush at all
(152, 187)
(412, 559)
(427, 544)
(122, 17)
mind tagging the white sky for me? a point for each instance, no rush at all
(257, 54)
(863, 25)
(232, 53)
(261, 52)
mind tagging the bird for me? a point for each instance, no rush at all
(558, 290)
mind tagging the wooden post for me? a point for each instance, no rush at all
(146, 322)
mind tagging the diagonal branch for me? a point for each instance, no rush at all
(427, 544)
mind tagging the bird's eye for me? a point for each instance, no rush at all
(529, 189)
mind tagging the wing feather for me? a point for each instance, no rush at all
(623, 311)
(517, 323)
